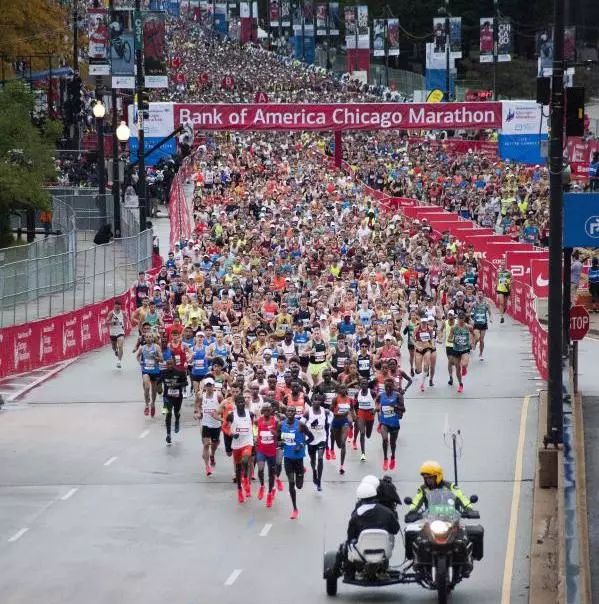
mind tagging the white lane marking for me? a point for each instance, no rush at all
(68, 495)
(265, 530)
(511, 537)
(18, 535)
(144, 434)
(110, 461)
(233, 577)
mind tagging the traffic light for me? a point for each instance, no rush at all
(144, 105)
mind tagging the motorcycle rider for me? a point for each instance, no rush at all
(370, 514)
(432, 473)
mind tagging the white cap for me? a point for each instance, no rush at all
(209, 382)
(370, 478)
(451, 313)
(365, 490)
(267, 351)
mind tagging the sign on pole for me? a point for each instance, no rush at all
(579, 322)
(581, 220)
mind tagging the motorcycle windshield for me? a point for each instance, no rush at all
(441, 506)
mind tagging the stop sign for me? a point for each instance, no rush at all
(579, 322)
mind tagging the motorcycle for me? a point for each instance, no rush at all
(440, 545)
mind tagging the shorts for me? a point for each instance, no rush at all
(339, 422)
(198, 379)
(321, 446)
(506, 294)
(228, 441)
(173, 401)
(316, 369)
(481, 326)
(270, 459)
(293, 465)
(424, 350)
(366, 415)
(449, 351)
(239, 454)
(410, 346)
(212, 433)
(115, 338)
(154, 377)
(391, 429)
(458, 355)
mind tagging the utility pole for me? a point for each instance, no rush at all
(556, 140)
(447, 75)
(386, 33)
(139, 89)
(328, 30)
(495, 46)
(303, 32)
(116, 185)
(356, 34)
(75, 68)
(280, 42)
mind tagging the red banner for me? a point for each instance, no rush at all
(458, 145)
(580, 153)
(496, 250)
(519, 263)
(342, 116)
(539, 277)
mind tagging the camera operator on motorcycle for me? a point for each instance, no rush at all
(386, 492)
(432, 473)
(370, 514)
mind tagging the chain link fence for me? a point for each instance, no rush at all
(65, 272)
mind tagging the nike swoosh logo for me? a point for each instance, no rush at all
(542, 282)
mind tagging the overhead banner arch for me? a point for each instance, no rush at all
(342, 116)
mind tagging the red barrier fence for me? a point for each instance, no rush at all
(181, 215)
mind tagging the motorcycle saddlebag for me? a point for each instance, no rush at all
(476, 535)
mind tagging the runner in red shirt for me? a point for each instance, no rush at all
(266, 451)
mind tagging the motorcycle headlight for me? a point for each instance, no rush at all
(438, 527)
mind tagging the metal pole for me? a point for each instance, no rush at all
(555, 333)
(356, 37)
(100, 152)
(75, 66)
(116, 207)
(50, 87)
(447, 78)
(328, 27)
(575, 366)
(280, 42)
(455, 458)
(495, 47)
(303, 32)
(139, 88)
(567, 299)
(386, 32)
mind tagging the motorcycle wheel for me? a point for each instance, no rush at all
(332, 586)
(441, 579)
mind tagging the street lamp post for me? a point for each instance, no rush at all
(99, 111)
(122, 136)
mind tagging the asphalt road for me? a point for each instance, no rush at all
(94, 508)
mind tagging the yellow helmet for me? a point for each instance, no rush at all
(432, 468)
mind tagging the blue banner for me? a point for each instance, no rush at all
(309, 48)
(581, 220)
(523, 148)
(435, 80)
(169, 148)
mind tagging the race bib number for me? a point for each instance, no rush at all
(289, 438)
(173, 392)
(266, 437)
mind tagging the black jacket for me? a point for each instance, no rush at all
(371, 516)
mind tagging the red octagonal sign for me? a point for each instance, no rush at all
(579, 322)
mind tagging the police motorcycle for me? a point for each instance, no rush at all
(440, 546)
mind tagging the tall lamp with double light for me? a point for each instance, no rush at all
(99, 111)
(122, 138)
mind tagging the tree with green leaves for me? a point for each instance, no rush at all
(26, 156)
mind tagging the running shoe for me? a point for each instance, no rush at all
(208, 470)
(294, 515)
(421, 387)
(385, 465)
(247, 488)
(464, 371)
(261, 492)
(362, 457)
(481, 358)
(341, 470)
(147, 411)
(461, 388)
(164, 410)
(450, 381)
(502, 320)
(212, 461)
(392, 464)
(279, 484)
(333, 455)
(412, 371)
(378, 428)
(350, 433)
(177, 431)
(118, 365)
(153, 411)
(354, 445)
(430, 383)
(318, 487)
(327, 454)
(240, 496)
(269, 498)
(168, 439)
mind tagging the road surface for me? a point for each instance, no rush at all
(95, 508)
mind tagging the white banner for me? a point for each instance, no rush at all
(523, 117)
